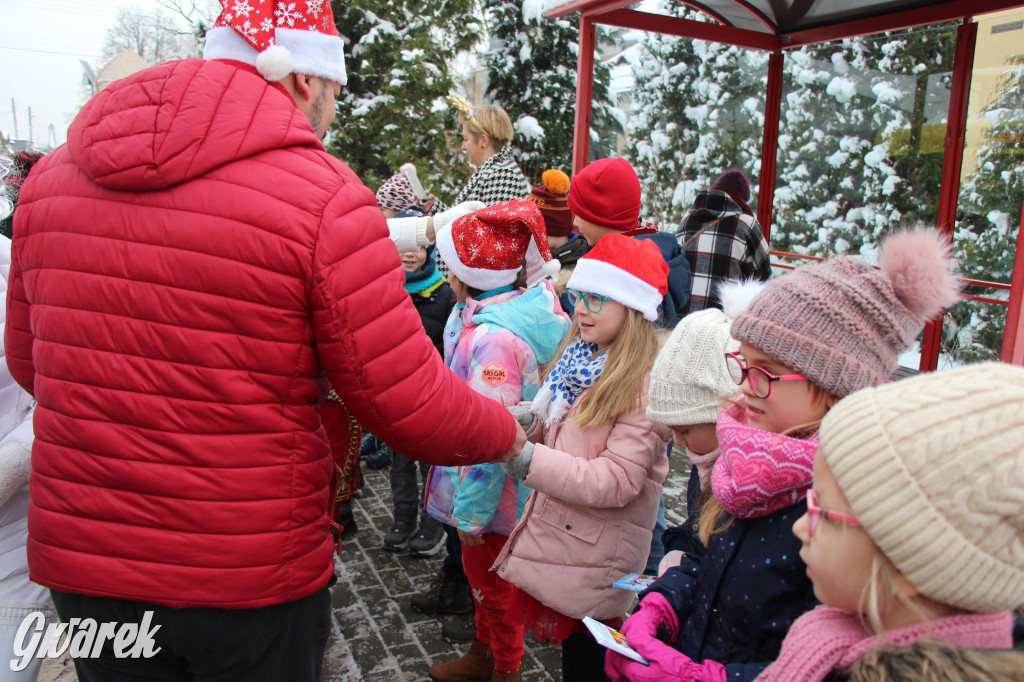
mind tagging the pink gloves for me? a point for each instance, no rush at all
(641, 630)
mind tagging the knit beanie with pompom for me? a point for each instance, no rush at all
(552, 198)
(689, 380)
(933, 468)
(843, 323)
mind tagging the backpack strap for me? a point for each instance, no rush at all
(701, 230)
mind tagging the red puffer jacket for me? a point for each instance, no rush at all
(186, 271)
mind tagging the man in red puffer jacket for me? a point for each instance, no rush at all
(189, 273)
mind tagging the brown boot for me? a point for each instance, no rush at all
(517, 676)
(476, 664)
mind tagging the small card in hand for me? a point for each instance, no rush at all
(612, 639)
(637, 582)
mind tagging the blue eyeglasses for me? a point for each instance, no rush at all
(594, 302)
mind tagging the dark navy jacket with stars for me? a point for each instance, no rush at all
(736, 598)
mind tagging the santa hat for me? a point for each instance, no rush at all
(630, 271)
(553, 201)
(607, 193)
(279, 38)
(486, 249)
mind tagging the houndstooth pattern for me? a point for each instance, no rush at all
(497, 179)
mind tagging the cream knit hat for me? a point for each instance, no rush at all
(689, 379)
(934, 469)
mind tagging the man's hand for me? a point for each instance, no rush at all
(517, 445)
(470, 539)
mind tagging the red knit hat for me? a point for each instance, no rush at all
(630, 271)
(607, 193)
(279, 38)
(486, 249)
(553, 201)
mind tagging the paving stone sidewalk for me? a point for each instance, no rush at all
(376, 634)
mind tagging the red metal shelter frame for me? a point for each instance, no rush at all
(769, 38)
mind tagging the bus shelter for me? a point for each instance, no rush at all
(781, 27)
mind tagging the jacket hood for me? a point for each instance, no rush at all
(712, 203)
(177, 121)
(533, 315)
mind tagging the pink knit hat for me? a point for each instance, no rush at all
(843, 323)
(396, 193)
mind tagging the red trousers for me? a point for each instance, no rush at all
(491, 595)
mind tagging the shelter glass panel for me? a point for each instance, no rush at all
(861, 138)
(687, 111)
(991, 190)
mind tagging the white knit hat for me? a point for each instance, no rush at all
(689, 379)
(279, 38)
(934, 469)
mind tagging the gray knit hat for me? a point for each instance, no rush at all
(689, 378)
(934, 469)
(843, 323)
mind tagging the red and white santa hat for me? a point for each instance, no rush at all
(630, 271)
(279, 38)
(487, 248)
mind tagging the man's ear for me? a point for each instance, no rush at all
(300, 83)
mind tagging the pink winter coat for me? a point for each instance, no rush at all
(590, 518)
(188, 273)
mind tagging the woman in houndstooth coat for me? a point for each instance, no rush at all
(486, 134)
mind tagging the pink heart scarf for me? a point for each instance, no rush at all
(759, 472)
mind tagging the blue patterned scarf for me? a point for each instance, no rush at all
(578, 369)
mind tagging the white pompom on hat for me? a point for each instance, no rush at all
(279, 38)
(934, 470)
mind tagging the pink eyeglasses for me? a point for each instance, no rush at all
(814, 512)
(760, 379)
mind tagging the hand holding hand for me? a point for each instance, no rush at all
(519, 467)
(517, 445)
(469, 539)
(524, 416)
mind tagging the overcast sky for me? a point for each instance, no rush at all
(40, 47)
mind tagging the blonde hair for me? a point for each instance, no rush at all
(933, 661)
(489, 120)
(630, 358)
(714, 519)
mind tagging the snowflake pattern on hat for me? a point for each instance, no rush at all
(255, 20)
(578, 369)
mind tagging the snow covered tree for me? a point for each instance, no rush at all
(985, 241)
(697, 110)
(531, 64)
(393, 110)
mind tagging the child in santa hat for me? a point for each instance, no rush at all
(496, 339)
(596, 463)
(605, 199)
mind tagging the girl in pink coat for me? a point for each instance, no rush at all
(596, 463)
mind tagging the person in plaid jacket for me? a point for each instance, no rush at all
(722, 239)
